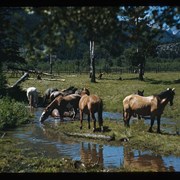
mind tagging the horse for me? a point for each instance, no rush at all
(152, 106)
(90, 104)
(55, 114)
(62, 103)
(140, 93)
(47, 94)
(32, 95)
(64, 92)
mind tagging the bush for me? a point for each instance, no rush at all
(12, 113)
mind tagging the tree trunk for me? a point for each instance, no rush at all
(141, 72)
(92, 63)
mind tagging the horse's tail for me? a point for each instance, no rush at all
(100, 111)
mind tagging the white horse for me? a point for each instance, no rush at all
(32, 95)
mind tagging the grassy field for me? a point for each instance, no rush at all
(112, 91)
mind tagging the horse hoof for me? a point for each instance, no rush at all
(80, 127)
(150, 130)
(102, 129)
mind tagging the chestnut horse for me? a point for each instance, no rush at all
(62, 103)
(91, 104)
(152, 106)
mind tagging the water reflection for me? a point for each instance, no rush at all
(43, 140)
(91, 154)
(145, 161)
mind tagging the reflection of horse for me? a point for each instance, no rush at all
(91, 154)
(144, 162)
(32, 95)
(90, 104)
(61, 103)
(152, 106)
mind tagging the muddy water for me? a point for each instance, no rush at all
(37, 138)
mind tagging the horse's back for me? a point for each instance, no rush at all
(143, 105)
(91, 102)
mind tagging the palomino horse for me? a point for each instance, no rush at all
(32, 95)
(152, 106)
(61, 103)
(90, 104)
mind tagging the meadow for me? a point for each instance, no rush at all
(112, 88)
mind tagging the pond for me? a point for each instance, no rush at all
(46, 143)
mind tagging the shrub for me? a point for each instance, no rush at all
(12, 113)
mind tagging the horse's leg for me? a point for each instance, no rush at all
(61, 113)
(89, 125)
(152, 122)
(81, 118)
(100, 120)
(92, 115)
(158, 123)
(126, 117)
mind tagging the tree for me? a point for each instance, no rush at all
(137, 22)
(9, 48)
(60, 24)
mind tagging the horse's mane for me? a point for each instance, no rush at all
(165, 94)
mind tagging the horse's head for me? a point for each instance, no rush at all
(167, 95)
(85, 91)
(171, 93)
(141, 93)
(45, 114)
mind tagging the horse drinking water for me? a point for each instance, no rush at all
(61, 103)
(32, 95)
(90, 104)
(152, 106)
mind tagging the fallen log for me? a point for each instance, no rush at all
(94, 136)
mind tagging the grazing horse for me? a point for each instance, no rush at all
(90, 104)
(64, 92)
(32, 95)
(47, 94)
(62, 103)
(152, 106)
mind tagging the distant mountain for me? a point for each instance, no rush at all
(177, 35)
(168, 36)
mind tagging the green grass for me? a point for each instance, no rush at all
(112, 91)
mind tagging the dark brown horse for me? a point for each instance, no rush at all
(152, 106)
(91, 104)
(63, 104)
